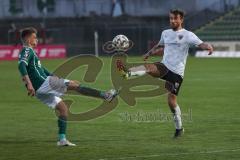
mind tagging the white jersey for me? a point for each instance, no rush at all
(176, 46)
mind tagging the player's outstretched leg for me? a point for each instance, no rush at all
(172, 102)
(62, 124)
(141, 70)
(87, 91)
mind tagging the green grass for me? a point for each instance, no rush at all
(210, 88)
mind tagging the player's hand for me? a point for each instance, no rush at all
(31, 90)
(210, 49)
(206, 46)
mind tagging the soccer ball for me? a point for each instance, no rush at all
(120, 42)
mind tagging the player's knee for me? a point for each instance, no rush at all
(148, 67)
(73, 85)
(63, 113)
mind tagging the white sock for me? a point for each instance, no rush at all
(177, 118)
(138, 71)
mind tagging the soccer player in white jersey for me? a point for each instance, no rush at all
(49, 88)
(173, 46)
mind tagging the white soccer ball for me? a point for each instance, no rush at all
(120, 42)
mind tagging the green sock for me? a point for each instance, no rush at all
(87, 91)
(102, 94)
(62, 125)
(61, 136)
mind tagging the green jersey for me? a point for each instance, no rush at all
(29, 64)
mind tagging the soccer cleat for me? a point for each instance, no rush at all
(122, 69)
(65, 143)
(111, 94)
(178, 133)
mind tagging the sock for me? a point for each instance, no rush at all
(90, 92)
(138, 71)
(177, 117)
(62, 136)
(62, 125)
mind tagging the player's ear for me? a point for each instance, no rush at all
(182, 19)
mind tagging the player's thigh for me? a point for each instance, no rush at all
(49, 99)
(157, 69)
(152, 70)
(62, 109)
(62, 85)
(173, 82)
(53, 86)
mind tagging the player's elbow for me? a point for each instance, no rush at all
(159, 52)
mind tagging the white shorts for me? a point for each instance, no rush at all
(51, 90)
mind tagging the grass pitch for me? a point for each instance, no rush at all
(210, 90)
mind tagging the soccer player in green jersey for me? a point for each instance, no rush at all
(49, 88)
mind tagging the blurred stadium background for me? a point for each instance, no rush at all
(73, 23)
(73, 27)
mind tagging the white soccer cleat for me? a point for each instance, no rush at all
(65, 143)
(111, 94)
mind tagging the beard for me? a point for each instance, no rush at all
(175, 27)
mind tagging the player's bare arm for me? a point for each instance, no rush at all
(30, 89)
(156, 50)
(206, 46)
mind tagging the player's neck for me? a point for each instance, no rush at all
(178, 28)
(27, 45)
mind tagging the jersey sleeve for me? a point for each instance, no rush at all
(25, 56)
(22, 67)
(161, 42)
(194, 40)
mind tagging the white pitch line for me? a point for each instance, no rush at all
(172, 154)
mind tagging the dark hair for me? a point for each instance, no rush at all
(178, 12)
(25, 32)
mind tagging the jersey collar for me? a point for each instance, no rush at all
(179, 30)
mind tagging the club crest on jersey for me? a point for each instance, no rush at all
(180, 37)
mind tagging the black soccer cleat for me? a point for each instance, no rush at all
(178, 133)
